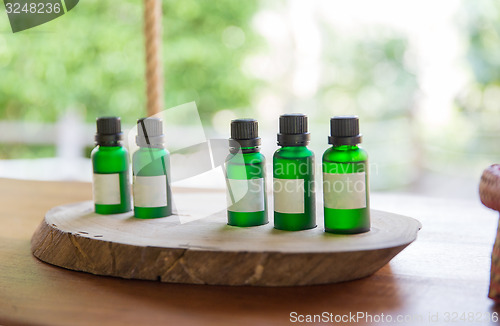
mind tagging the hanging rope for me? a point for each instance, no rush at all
(154, 69)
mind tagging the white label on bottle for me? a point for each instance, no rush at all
(245, 195)
(344, 191)
(106, 189)
(289, 196)
(150, 191)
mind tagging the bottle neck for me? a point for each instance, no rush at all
(345, 147)
(244, 145)
(245, 150)
(293, 147)
(110, 145)
(151, 148)
(150, 142)
(290, 140)
(109, 140)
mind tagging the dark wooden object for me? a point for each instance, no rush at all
(489, 190)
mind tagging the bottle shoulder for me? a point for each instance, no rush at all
(109, 152)
(150, 153)
(150, 162)
(247, 158)
(293, 152)
(334, 154)
(109, 159)
(256, 157)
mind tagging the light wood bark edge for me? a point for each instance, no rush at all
(177, 265)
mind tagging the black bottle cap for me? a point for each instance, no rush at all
(293, 130)
(150, 132)
(244, 133)
(344, 130)
(109, 131)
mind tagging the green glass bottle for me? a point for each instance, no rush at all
(245, 176)
(345, 179)
(111, 187)
(293, 172)
(151, 167)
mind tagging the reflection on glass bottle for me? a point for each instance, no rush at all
(111, 187)
(151, 167)
(293, 172)
(345, 179)
(245, 176)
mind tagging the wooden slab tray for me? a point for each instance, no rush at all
(207, 251)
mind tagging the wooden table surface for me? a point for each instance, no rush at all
(445, 272)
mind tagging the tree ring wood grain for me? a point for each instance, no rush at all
(207, 251)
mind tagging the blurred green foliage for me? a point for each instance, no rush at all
(25, 151)
(480, 24)
(205, 44)
(370, 75)
(482, 32)
(478, 104)
(92, 60)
